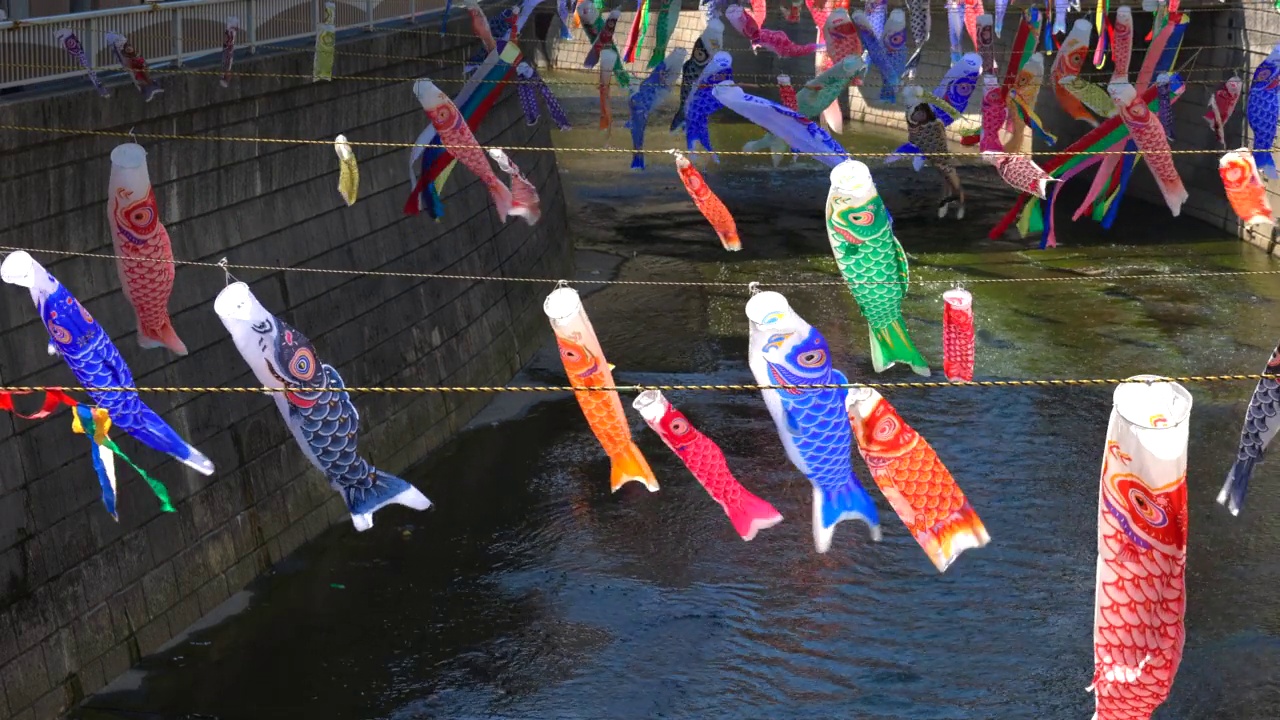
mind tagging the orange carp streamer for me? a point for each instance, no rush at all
(913, 480)
(586, 367)
(142, 244)
(712, 207)
(1245, 189)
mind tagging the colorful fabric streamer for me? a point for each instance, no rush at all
(1140, 599)
(913, 479)
(145, 256)
(1022, 103)
(639, 28)
(133, 64)
(1150, 138)
(348, 171)
(1222, 106)
(95, 424)
(748, 513)
(71, 43)
(603, 40)
(711, 206)
(87, 349)
(957, 335)
(812, 423)
(1245, 189)
(586, 367)
(315, 407)
(872, 262)
(790, 126)
(972, 11)
(642, 102)
(1261, 422)
(229, 49)
(326, 41)
(1263, 111)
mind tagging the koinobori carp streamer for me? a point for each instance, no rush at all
(913, 479)
(1140, 598)
(812, 423)
(315, 407)
(86, 348)
(586, 367)
(748, 513)
(144, 253)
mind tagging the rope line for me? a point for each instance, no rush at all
(611, 150)
(421, 389)
(798, 83)
(223, 266)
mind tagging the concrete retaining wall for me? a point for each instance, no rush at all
(82, 596)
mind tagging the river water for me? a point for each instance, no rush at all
(530, 591)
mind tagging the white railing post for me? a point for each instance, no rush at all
(93, 42)
(177, 36)
(413, 11)
(251, 26)
(368, 15)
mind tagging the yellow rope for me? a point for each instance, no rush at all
(1063, 382)
(528, 148)
(224, 266)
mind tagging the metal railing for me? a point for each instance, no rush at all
(177, 32)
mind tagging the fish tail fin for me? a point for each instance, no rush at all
(752, 515)
(846, 502)
(637, 161)
(502, 199)
(1237, 485)
(154, 432)
(1266, 165)
(165, 337)
(962, 531)
(893, 345)
(630, 466)
(730, 240)
(385, 490)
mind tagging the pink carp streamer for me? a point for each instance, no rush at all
(134, 64)
(748, 513)
(145, 257)
(1019, 171)
(524, 195)
(972, 9)
(957, 335)
(775, 41)
(1222, 106)
(1148, 133)
(1122, 44)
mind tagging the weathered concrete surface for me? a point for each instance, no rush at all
(84, 597)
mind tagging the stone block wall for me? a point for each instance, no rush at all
(83, 596)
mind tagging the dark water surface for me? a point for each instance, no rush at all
(529, 591)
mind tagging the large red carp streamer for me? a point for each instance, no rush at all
(1141, 596)
(983, 91)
